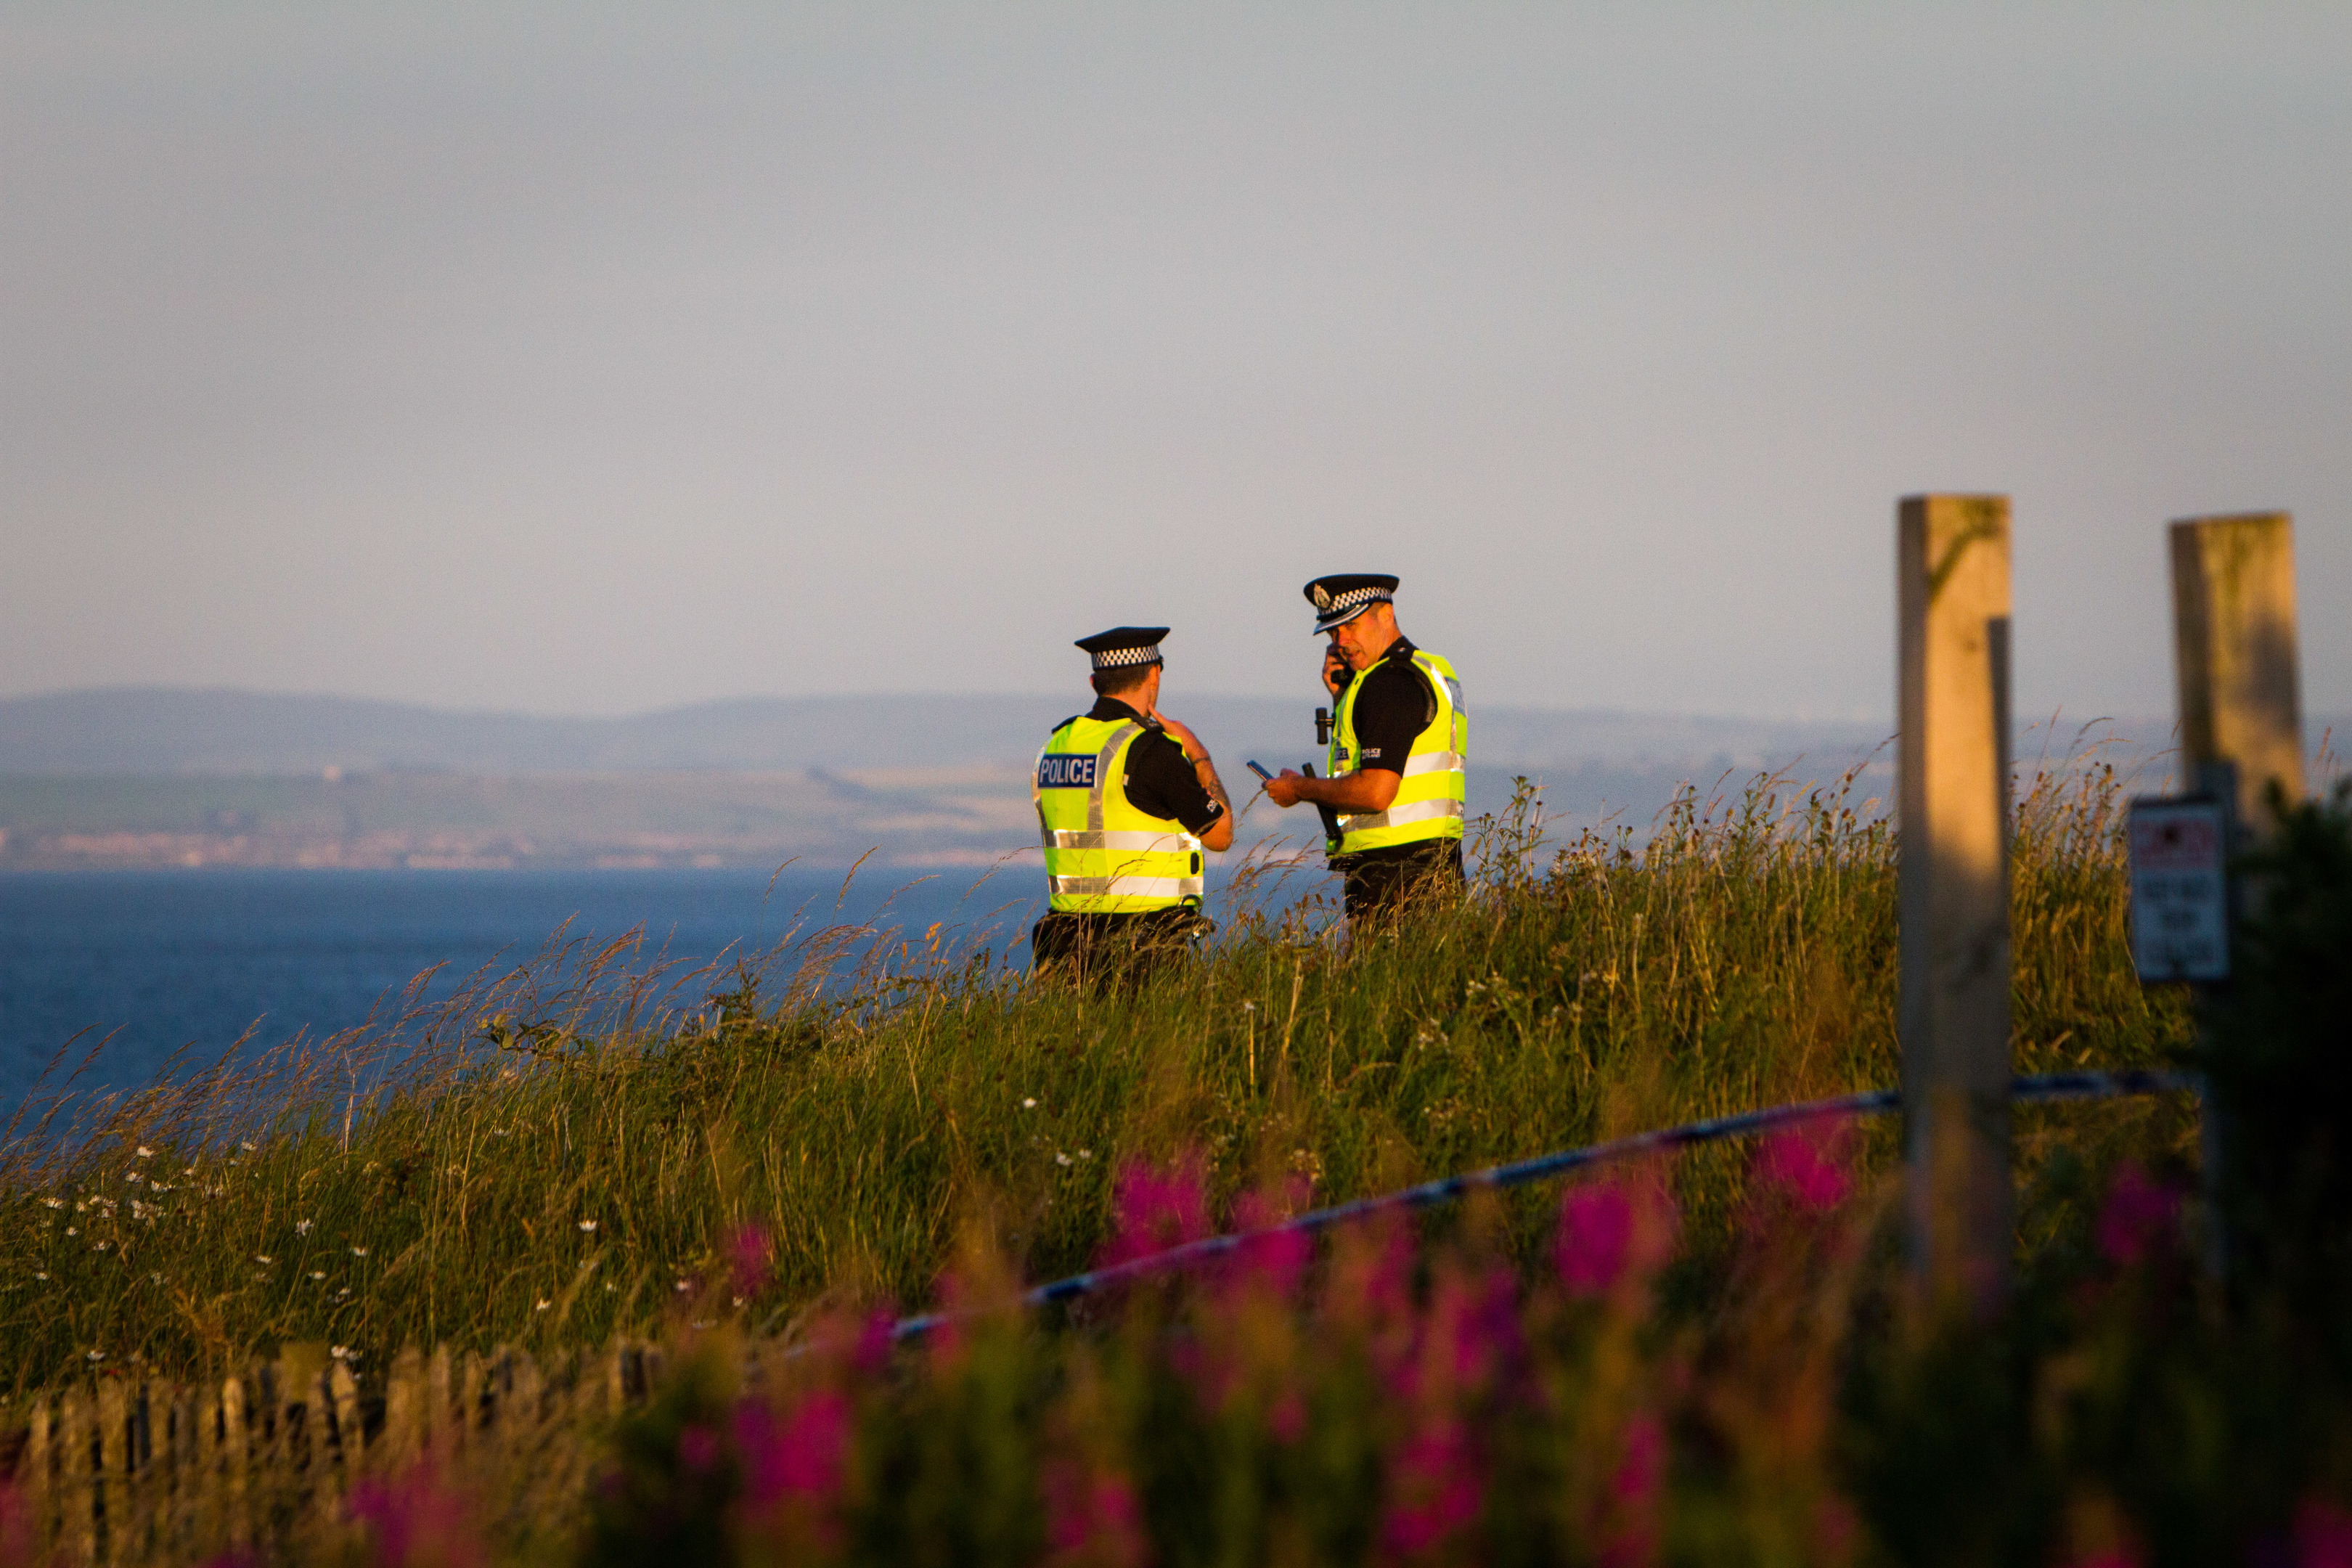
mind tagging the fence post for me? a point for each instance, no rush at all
(2234, 651)
(1953, 554)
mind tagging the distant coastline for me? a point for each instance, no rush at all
(153, 778)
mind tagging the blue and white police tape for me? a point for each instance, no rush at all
(2039, 1089)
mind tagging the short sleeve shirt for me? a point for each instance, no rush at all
(1159, 782)
(1393, 706)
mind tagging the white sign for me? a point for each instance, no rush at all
(2180, 890)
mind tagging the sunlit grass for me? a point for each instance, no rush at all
(565, 1152)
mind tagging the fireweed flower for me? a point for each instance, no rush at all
(1092, 1517)
(2137, 1217)
(748, 1251)
(1805, 1166)
(874, 1342)
(1272, 1263)
(1628, 1531)
(697, 1450)
(1435, 1489)
(1618, 1231)
(2323, 1535)
(1155, 1210)
(801, 1456)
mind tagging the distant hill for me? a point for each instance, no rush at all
(165, 730)
(214, 778)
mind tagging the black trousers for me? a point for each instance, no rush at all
(1381, 883)
(1122, 950)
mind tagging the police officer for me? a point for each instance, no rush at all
(1127, 800)
(1399, 756)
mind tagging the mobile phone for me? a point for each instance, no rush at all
(1261, 772)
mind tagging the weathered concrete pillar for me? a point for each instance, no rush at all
(2234, 650)
(1953, 883)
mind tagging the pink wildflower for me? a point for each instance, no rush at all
(1287, 1417)
(1629, 1537)
(1093, 1518)
(2139, 1214)
(1156, 1210)
(416, 1520)
(697, 1450)
(749, 1252)
(802, 1455)
(1435, 1491)
(1806, 1164)
(1619, 1230)
(874, 1342)
(1274, 1263)
(2323, 1535)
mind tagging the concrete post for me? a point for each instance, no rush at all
(2234, 650)
(1953, 885)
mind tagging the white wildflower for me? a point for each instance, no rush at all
(303, 1226)
(73, 1230)
(1086, 1153)
(248, 1145)
(684, 1286)
(42, 1275)
(359, 1252)
(55, 1203)
(1029, 1105)
(541, 1305)
(341, 1353)
(588, 1224)
(317, 1273)
(263, 1258)
(98, 1355)
(145, 1152)
(1060, 1158)
(104, 1245)
(739, 1301)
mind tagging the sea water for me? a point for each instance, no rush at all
(139, 964)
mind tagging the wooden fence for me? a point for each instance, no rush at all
(123, 1470)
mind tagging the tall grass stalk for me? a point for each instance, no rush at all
(572, 1149)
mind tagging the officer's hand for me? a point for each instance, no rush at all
(1283, 788)
(1336, 669)
(1183, 735)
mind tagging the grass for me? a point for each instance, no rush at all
(562, 1156)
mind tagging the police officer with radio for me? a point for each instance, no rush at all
(1397, 779)
(1128, 799)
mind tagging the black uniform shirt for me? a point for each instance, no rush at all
(1159, 782)
(1393, 706)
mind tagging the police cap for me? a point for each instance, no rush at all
(1343, 597)
(1124, 647)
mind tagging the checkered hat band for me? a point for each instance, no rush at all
(1121, 658)
(1343, 603)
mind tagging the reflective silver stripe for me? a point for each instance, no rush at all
(1142, 842)
(1127, 886)
(1398, 815)
(1434, 762)
(1118, 736)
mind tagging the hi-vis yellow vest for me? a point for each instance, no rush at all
(1430, 795)
(1103, 856)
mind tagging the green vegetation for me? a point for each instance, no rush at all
(585, 1174)
(693, 1222)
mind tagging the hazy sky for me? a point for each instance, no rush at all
(591, 358)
